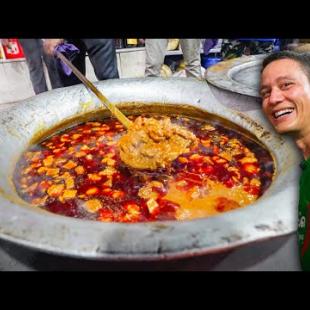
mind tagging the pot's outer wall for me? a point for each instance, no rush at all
(274, 214)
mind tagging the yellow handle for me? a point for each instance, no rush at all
(113, 109)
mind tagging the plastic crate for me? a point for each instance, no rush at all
(208, 61)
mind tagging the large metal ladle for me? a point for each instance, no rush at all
(113, 109)
(174, 145)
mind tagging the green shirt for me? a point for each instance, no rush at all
(304, 215)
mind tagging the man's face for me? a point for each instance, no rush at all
(285, 91)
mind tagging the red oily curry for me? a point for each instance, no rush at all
(79, 173)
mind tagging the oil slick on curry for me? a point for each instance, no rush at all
(79, 173)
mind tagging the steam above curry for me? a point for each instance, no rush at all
(91, 171)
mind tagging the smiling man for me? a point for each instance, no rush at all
(285, 91)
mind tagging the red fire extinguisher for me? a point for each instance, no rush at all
(13, 50)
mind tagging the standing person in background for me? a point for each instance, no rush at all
(101, 53)
(155, 56)
(34, 54)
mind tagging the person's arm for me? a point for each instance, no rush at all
(49, 45)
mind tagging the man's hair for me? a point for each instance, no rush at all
(302, 58)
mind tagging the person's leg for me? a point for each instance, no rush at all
(33, 54)
(102, 55)
(191, 53)
(78, 61)
(155, 55)
(52, 69)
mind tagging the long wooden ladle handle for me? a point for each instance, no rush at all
(113, 109)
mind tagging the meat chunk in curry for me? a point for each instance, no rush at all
(152, 143)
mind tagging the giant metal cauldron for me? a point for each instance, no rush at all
(270, 216)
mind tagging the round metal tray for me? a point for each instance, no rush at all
(240, 75)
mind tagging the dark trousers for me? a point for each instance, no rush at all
(102, 55)
(33, 51)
